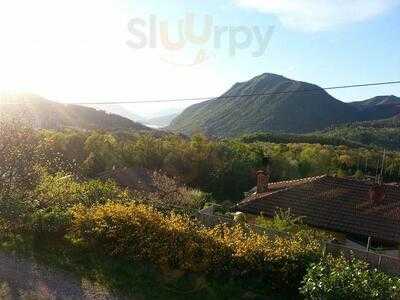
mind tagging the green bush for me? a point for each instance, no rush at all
(339, 278)
(50, 223)
(55, 196)
(64, 191)
(283, 221)
(15, 211)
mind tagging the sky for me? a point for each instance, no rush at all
(119, 50)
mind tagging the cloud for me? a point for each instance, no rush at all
(320, 15)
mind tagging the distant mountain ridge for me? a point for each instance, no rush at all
(117, 109)
(380, 107)
(288, 106)
(161, 121)
(46, 114)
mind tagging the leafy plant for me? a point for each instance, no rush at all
(339, 278)
(56, 194)
(283, 221)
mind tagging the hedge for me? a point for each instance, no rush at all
(174, 242)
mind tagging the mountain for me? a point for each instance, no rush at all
(381, 107)
(121, 111)
(42, 113)
(278, 104)
(162, 121)
(286, 109)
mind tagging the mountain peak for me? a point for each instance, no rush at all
(275, 106)
(265, 78)
(271, 77)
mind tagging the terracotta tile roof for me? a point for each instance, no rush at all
(338, 204)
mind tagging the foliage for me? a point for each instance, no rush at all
(102, 153)
(169, 194)
(339, 278)
(56, 194)
(17, 159)
(174, 242)
(15, 211)
(62, 151)
(131, 280)
(224, 168)
(381, 133)
(286, 138)
(43, 197)
(64, 191)
(283, 221)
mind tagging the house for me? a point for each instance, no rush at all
(358, 210)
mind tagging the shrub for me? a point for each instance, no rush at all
(338, 278)
(175, 242)
(168, 193)
(17, 159)
(140, 232)
(57, 194)
(63, 191)
(283, 221)
(14, 213)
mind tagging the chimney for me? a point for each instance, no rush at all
(262, 182)
(377, 194)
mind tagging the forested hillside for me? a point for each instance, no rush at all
(271, 102)
(380, 107)
(380, 133)
(42, 113)
(287, 109)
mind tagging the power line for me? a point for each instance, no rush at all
(236, 96)
(226, 96)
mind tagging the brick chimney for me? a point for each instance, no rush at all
(262, 182)
(377, 194)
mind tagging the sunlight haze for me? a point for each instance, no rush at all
(76, 51)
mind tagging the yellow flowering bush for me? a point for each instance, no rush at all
(174, 242)
(141, 232)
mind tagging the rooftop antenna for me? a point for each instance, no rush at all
(377, 170)
(383, 167)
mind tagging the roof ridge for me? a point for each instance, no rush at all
(300, 179)
(259, 196)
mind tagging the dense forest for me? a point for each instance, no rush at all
(380, 133)
(226, 168)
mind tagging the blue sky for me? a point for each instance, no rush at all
(77, 50)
